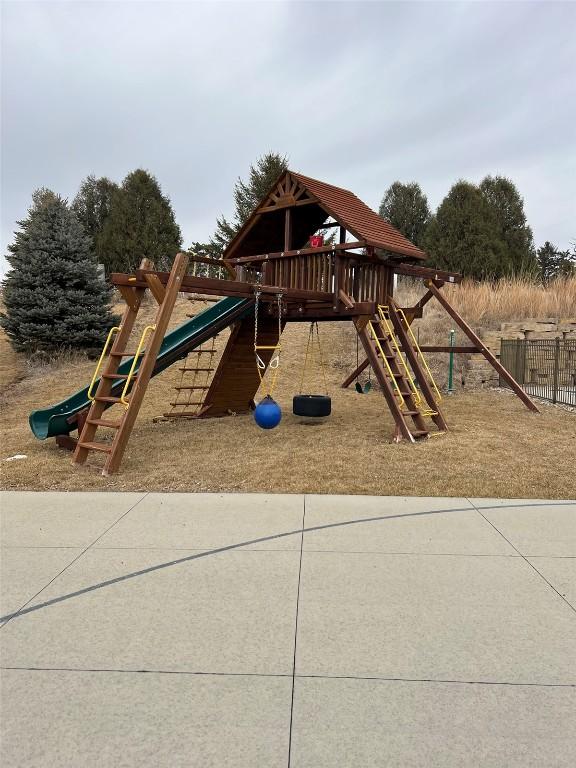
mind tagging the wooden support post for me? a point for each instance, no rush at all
(288, 229)
(482, 348)
(417, 310)
(345, 299)
(156, 288)
(337, 280)
(131, 297)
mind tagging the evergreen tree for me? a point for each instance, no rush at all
(53, 294)
(247, 195)
(554, 263)
(141, 225)
(508, 212)
(405, 206)
(92, 205)
(464, 236)
(205, 270)
(547, 256)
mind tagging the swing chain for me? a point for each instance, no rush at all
(275, 361)
(310, 354)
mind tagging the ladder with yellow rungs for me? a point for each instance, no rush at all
(426, 395)
(103, 392)
(393, 380)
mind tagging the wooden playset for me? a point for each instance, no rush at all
(279, 270)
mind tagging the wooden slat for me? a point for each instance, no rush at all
(106, 423)
(93, 446)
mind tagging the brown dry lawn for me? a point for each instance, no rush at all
(495, 447)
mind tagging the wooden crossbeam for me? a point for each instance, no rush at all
(286, 202)
(235, 288)
(429, 273)
(318, 312)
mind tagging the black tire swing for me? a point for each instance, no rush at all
(312, 406)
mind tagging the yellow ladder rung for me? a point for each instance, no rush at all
(272, 346)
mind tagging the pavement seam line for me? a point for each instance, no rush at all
(71, 563)
(552, 587)
(296, 630)
(367, 678)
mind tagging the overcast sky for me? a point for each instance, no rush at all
(357, 94)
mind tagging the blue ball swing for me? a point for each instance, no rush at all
(267, 413)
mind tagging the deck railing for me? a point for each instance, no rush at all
(360, 280)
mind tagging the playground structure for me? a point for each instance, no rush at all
(274, 278)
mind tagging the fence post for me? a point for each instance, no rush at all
(524, 346)
(556, 368)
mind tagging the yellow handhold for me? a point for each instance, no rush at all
(146, 330)
(111, 333)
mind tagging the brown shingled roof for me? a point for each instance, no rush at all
(358, 218)
(264, 232)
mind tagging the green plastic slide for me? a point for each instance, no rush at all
(49, 422)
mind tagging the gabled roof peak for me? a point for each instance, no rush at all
(314, 201)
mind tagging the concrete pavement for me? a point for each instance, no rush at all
(146, 629)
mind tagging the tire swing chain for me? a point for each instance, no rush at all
(310, 354)
(274, 363)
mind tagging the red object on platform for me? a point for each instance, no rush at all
(316, 241)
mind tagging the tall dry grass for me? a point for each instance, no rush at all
(488, 304)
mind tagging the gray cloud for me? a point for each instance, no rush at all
(358, 94)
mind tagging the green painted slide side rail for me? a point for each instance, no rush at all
(49, 422)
